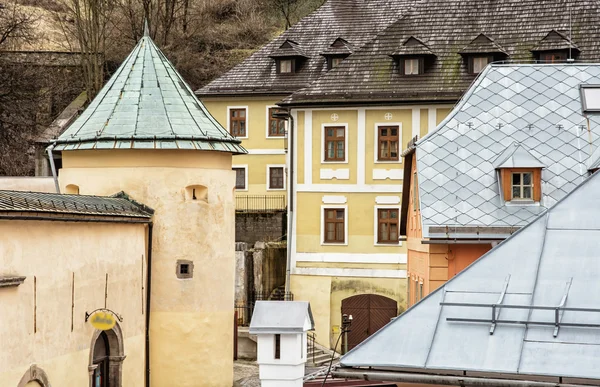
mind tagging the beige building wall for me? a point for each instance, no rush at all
(66, 265)
(34, 184)
(191, 325)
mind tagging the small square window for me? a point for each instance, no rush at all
(411, 66)
(286, 66)
(334, 62)
(478, 63)
(185, 269)
(522, 187)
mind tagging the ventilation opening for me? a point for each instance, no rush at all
(185, 269)
(72, 189)
(197, 193)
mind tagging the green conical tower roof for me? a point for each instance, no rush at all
(146, 104)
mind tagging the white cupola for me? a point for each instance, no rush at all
(280, 328)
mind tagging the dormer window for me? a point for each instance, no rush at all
(288, 57)
(522, 185)
(520, 175)
(286, 66)
(339, 50)
(412, 66)
(555, 48)
(480, 52)
(413, 57)
(478, 63)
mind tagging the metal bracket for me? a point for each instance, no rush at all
(494, 315)
(118, 316)
(558, 312)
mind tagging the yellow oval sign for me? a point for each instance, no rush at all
(102, 321)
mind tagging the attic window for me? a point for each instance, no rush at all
(286, 66)
(553, 57)
(334, 61)
(412, 66)
(478, 63)
(590, 98)
(522, 184)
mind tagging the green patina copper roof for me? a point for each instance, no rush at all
(146, 104)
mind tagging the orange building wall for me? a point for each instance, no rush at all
(432, 265)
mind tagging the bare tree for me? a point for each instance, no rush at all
(92, 23)
(16, 25)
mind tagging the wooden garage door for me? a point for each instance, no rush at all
(370, 313)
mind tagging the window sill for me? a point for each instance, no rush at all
(378, 244)
(275, 189)
(333, 244)
(388, 162)
(282, 137)
(522, 203)
(333, 162)
(241, 190)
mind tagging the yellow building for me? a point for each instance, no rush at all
(170, 279)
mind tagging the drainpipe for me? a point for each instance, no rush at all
(148, 293)
(446, 380)
(290, 236)
(52, 166)
(287, 114)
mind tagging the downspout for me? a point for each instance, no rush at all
(148, 293)
(52, 166)
(288, 263)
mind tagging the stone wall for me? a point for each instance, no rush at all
(260, 227)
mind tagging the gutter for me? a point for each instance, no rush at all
(69, 219)
(53, 167)
(460, 241)
(148, 294)
(446, 380)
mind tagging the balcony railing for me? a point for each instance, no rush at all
(260, 203)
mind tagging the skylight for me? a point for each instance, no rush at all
(590, 98)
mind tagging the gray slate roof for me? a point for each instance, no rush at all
(448, 27)
(119, 205)
(356, 21)
(146, 104)
(281, 317)
(539, 261)
(537, 107)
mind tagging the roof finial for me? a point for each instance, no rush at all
(146, 28)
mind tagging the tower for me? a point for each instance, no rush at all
(146, 134)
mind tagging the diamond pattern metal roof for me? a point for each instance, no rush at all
(528, 269)
(147, 104)
(534, 109)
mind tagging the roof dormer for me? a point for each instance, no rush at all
(555, 48)
(339, 50)
(289, 57)
(413, 57)
(520, 175)
(480, 52)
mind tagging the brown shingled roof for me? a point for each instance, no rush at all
(356, 21)
(369, 75)
(482, 45)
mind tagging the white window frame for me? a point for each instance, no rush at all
(267, 125)
(322, 217)
(269, 166)
(281, 67)
(245, 167)
(229, 108)
(322, 139)
(418, 66)
(376, 147)
(487, 59)
(376, 225)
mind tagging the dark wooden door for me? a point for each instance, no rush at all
(370, 312)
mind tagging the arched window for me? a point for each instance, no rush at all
(34, 377)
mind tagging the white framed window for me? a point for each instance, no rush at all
(334, 225)
(386, 226)
(384, 142)
(590, 98)
(237, 121)
(286, 66)
(276, 127)
(334, 143)
(241, 177)
(478, 63)
(411, 66)
(276, 177)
